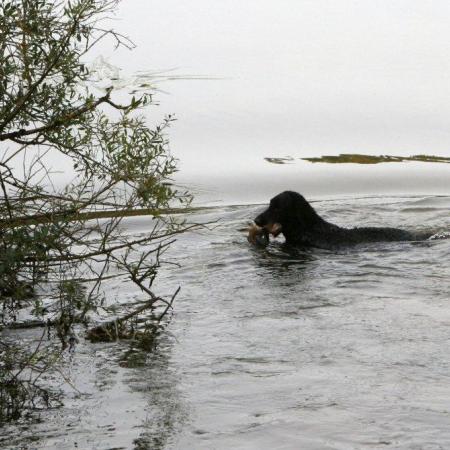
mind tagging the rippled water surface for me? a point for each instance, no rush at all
(277, 348)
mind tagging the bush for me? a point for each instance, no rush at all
(58, 245)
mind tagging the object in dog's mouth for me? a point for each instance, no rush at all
(258, 236)
(274, 229)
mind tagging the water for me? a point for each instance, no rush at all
(276, 348)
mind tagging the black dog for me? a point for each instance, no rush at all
(289, 213)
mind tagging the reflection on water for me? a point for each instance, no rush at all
(278, 347)
(157, 382)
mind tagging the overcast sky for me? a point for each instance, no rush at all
(298, 77)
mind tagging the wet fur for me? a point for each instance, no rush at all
(301, 225)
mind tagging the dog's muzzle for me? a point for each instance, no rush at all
(273, 228)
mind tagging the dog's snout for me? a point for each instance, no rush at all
(263, 218)
(258, 221)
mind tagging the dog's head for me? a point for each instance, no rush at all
(288, 213)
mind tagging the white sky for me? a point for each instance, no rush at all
(299, 77)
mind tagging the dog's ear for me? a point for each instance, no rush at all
(305, 215)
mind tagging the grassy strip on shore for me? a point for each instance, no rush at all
(355, 158)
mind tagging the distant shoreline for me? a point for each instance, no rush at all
(357, 158)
